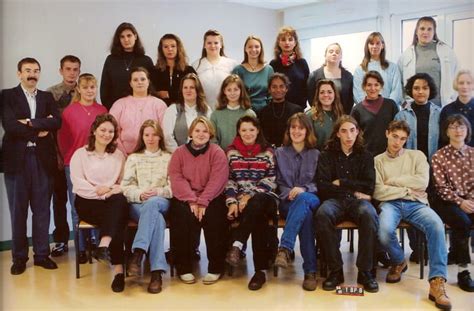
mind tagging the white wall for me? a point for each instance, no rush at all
(47, 30)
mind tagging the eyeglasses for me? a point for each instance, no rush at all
(457, 127)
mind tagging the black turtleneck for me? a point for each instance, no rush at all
(422, 113)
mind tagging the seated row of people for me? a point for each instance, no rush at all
(203, 180)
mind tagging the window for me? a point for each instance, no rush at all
(352, 49)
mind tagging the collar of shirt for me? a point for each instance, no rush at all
(402, 151)
(28, 94)
(461, 152)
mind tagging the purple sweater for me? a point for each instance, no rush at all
(198, 179)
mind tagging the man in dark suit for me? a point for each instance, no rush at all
(29, 115)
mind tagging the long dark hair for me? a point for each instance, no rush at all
(102, 118)
(214, 33)
(181, 60)
(201, 104)
(260, 138)
(334, 143)
(365, 62)
(116, 47)
(317, 113)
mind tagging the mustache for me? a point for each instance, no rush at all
(32, 78)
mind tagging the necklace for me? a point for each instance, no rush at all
(127, 65)
(282, 110)
(84, 108)
(253, 68)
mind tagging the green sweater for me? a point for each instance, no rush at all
(225, 121)
(397, 177)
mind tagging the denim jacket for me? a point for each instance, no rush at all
(408, 115)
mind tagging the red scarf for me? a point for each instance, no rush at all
(246, 150)
(288, 60)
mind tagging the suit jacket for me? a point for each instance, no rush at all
(17, 135)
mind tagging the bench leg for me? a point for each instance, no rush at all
(76, 246)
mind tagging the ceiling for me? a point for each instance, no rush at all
(274, 4)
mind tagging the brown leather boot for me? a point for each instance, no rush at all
(155, 282)
(135, 263)
(394, 274)
(438, 293)
(282, 257)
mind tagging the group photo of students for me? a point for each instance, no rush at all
(238, 147)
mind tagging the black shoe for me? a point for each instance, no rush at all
(59, 249)
(257, 280)
(18, 267)
(383, 259)
(83, 257)
(366, 279)
(414, 257)
(334, 279)
(101, 254)
(465, 282)
(46, 263)
(118, 284)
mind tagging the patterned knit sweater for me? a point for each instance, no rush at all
(251, 174)
(146, 171)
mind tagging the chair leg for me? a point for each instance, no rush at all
(76, 246)
(402, 238)
(275, 270)
(351, 242)
(421, 252)
(88, 232)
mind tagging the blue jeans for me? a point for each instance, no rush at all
(423, 218)
(299, 221)
(150, 235)
(74, 216)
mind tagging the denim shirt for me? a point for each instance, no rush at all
(296, 169)
(409, 116)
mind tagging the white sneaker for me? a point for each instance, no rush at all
(211, 278)
(187, 278)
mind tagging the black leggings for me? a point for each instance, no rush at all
(110, 215)
(254, 219)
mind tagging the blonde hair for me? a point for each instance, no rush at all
(207, 123)
(83, 79)
(460, 73)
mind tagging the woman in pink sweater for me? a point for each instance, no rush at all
(133, 110)
(96, 171)
(198, 172)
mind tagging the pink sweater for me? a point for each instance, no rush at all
(75, 127)
(130, 113)
(198, 179)
(89, 170)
